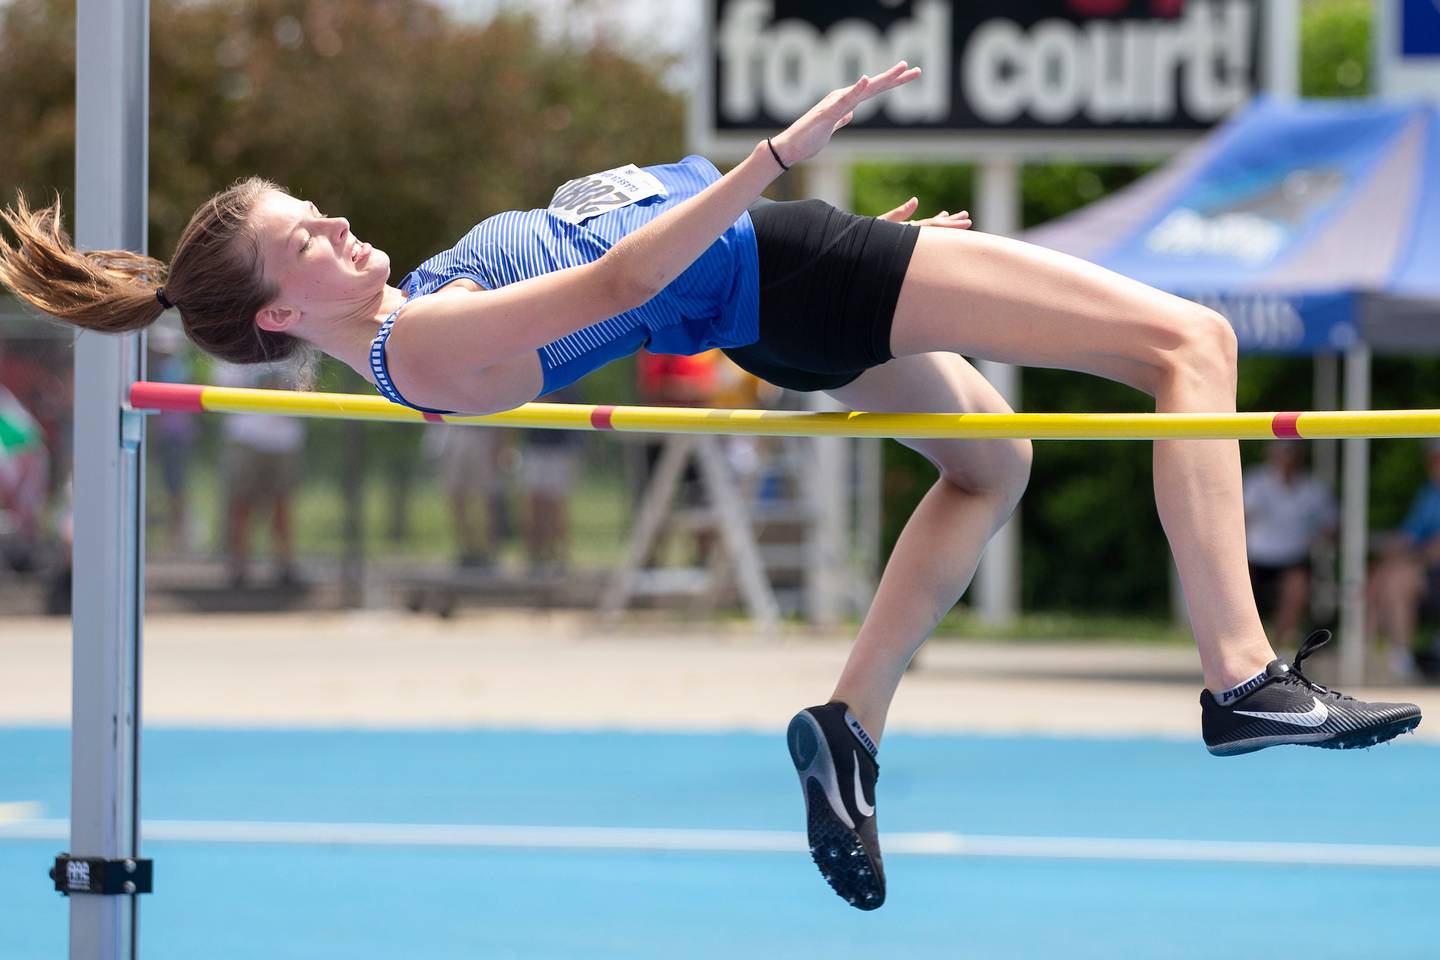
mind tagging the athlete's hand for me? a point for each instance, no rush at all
(807, 136)
(955, 221)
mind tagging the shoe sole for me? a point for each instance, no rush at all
(835, 846)
(1354, 740)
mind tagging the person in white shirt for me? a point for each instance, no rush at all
(1286, 511)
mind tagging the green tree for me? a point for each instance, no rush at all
(1335, 48)
(413, 125)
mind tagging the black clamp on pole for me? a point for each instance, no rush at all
(112, 878)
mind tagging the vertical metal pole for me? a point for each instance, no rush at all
(1354, 531)
(112, 88)
(1384, 39)
(827, 547)
(997, 586)
(1282, 47)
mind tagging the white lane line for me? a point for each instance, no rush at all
(751, 841)
(21, 810)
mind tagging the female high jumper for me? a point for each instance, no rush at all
(879, 314)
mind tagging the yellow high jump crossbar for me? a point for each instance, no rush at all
(1308, 425)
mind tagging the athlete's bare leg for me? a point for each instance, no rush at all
(998, 299)
(979, 485)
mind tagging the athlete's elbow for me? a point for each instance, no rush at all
(627, 282)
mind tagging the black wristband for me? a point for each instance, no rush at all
(776, 154)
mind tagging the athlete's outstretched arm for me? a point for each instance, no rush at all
(658, 252)
(513, 320)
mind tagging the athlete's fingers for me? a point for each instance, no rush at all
(848, 98)
(899, 214)
(897, 75)
(893, 73)
(855, 93)
(950, 221)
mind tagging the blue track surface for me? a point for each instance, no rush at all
(223, 901)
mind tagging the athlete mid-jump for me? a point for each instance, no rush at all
(877, 313)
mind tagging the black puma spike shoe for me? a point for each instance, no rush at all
(835, 758)
(1288, 708)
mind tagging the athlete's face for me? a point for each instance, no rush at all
(322, 269)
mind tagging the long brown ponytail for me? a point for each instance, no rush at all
(112, 291)
(215, 278)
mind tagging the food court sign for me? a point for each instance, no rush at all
(991, 66)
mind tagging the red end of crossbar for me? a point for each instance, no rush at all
(179, 397)
(1286, 425)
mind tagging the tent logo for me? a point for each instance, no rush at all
(1239, 236)
(1243, 223)
(1265, 321)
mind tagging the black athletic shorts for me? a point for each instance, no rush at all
(829, 281)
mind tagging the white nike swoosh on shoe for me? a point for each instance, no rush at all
(866, 809)
(1313, 717)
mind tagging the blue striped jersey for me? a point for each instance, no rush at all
(713, 303)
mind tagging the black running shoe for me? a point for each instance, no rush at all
(1288, 708)
(836, 762)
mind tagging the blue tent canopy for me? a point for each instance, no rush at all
(1309, 224)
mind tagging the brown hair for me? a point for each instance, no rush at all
(214, 279)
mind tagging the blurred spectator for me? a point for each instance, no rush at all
(668, 380)
(24, 484)
(1286, 511)
(548, 469)
(473, 467)
(674, 381)
(260, 458)
(41, 377)
(737, 389)
(1405, 580)
(173, 433)
(708, 379)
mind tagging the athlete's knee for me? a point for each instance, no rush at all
(1019, 457)
(1206, 354)
(1001, 473)
(1218, 339)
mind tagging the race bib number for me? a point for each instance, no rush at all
(602, 192)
